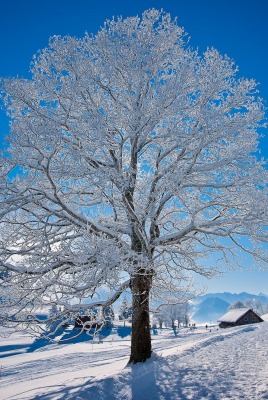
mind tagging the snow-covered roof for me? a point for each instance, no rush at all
(234, 315)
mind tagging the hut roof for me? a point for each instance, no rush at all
(234, 315)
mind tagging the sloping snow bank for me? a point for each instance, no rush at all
(265, 317)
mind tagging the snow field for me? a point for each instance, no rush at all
(195, 365)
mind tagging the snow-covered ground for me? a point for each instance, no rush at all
(197, 364)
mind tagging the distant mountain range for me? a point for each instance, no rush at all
(210, 307)
(233, 297)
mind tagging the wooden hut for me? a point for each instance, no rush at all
(239, 316)
(87, 322)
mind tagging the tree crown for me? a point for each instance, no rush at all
(137, 156)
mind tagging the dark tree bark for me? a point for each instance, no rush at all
(141, 348)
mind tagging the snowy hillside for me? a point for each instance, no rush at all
(211, 309)
(198, 364)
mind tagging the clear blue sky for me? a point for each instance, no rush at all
(238, 28)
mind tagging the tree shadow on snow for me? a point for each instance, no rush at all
(124, 331)
(13, 350)
(67, 336)
(135, 382)
(156, 379)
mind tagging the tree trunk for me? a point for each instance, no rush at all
(141, 348)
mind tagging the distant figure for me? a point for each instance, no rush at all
(206, 327)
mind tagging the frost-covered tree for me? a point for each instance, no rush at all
(167, 314)
(130, 161)
(185, 313)
(256, 305)
(109, 316)
(171, 314)
(237, 304)
(125, 310)
(54, 324)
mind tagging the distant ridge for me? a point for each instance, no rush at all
(210, 310)
(233, 297)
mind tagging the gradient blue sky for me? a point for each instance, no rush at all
(238, 28)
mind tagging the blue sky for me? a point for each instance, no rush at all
(237, 28)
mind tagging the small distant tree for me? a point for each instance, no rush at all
(160, 317)
(237, 304)
(125, 311)
(131, 160)
(185, 313)
(52, 323)
(109, 316)
(257, 306)
(170, 313)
